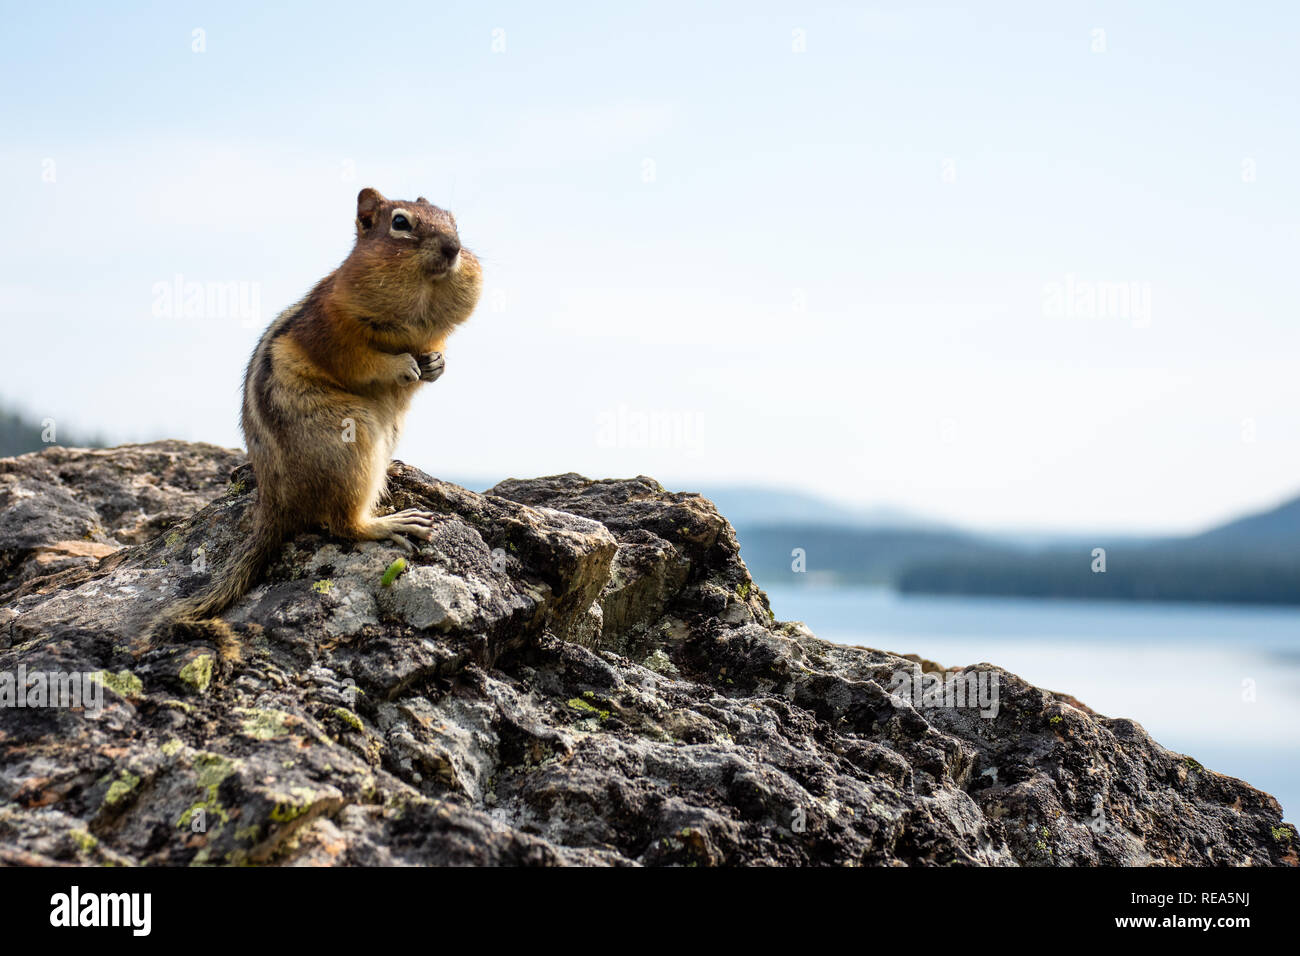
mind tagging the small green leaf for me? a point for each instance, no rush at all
(394, 569)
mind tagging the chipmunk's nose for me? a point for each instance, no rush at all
(450, 246)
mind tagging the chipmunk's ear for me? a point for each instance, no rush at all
(420, 199)
(368, 203)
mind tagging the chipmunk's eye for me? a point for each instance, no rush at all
(401, 223)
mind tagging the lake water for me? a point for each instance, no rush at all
(1220, 683)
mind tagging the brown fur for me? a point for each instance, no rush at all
(345, 353)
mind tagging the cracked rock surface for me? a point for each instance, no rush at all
(570, 672)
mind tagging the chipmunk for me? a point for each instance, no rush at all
(328, 386)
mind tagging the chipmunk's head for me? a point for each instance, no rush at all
(408, 261)
(417, 230)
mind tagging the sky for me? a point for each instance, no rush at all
(1018, 265)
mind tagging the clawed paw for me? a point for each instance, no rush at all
(411, 523)
(412, 372)
(432, 365)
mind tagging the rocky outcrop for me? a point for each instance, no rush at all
(570, 672)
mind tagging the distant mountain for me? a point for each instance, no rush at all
(1275, 531)
(864, 556)
(1138, 575)
(1251, 560)
(1047, 540)
(18, 436)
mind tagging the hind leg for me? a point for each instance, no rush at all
(357, 518)
(398, 528)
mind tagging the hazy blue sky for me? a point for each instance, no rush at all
(863, 269)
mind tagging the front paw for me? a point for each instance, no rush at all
(409, 371)
(432, 365)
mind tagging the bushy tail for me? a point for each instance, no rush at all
(192, 617)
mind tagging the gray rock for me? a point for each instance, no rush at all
(570, 672)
